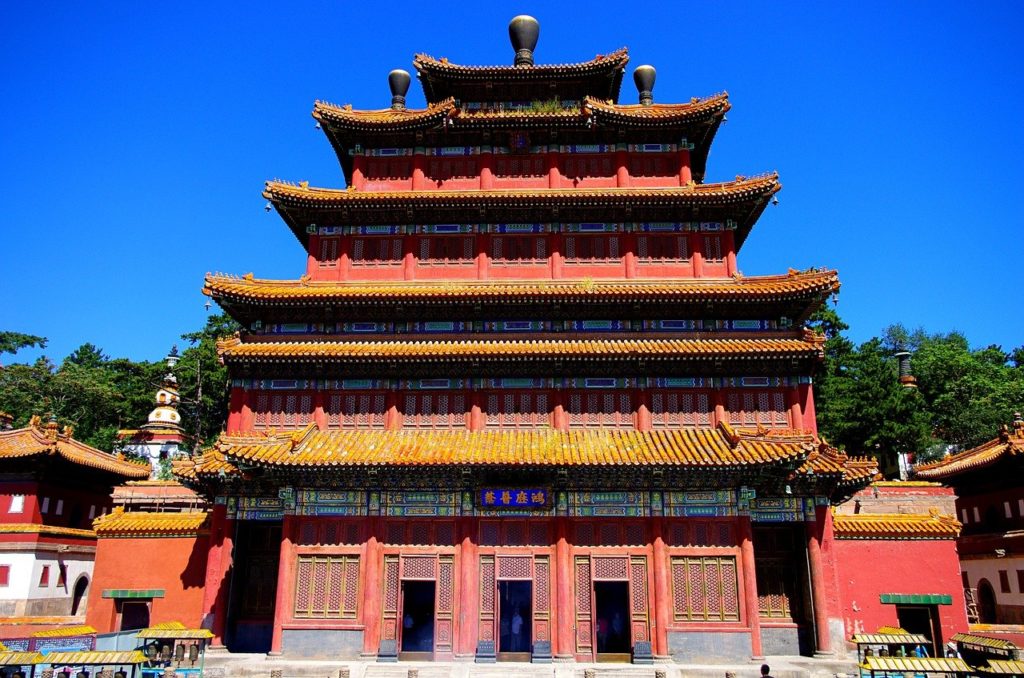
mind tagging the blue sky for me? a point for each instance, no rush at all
(135, 139)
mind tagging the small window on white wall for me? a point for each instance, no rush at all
(45, 506)
(60, 507)
(17, 503)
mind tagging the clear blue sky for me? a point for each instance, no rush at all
(135, 139)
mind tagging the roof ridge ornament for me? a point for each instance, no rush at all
(643, 77)
(398, 82)
(524, 31)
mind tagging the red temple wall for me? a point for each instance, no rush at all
(175, 564)
(867, 568)
(472, 257)
(75, 504)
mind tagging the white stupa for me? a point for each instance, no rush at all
(162, 436)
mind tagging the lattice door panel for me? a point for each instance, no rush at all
(639, 606)
(445, 605)
(392, 585)
(488, 589)
(423, 568)
(584, 606)
(542, 598)
(611, 569)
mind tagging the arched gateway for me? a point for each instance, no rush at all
(522, 405)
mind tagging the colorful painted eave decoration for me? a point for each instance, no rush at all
(234, 350)
(900, 526)
(120, 523)
(759, 188)
(38, 440)
(1009, 444)
(792, 286)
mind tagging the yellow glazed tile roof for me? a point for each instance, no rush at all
(716, 105)
(1004, 667)
(234, 349)
(427, 65)
(120, 523)
(95, 658)
(1009, 443)
(984, 641)
(65, 632)
(20, 658)
(889, 639)
(210, 463)
(387, 118)
(45, 530)
(895, 526)
(39, 440)
(916, 664)
(698, 447)
(757, 288)
(743, 188)
(173, 630)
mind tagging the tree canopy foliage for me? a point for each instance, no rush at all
(99, 395)
(961, 399)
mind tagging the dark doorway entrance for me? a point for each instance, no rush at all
(986, 602)
(612, 621)
(134, 615)
(417, 621)
(253, 587)
(515, 609)
(923, 620)
(81, 586)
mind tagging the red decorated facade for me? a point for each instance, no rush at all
(523, 405)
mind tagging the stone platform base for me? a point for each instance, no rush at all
(228, 665)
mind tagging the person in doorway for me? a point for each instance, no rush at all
(602, 634)
(766, 671)
(618, 640)
(517, 631)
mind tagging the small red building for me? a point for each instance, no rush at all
(990, 504)
(151, 557)
(51, 488)
(894, 545)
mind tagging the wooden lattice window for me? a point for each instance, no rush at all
(750, 408)
(376, 249)
(513, 409)
(434, 410)
(443, 169)
(356, 410)
(646, 165)
(673, 247)
(600, 408)
(287, 409)
(778, 568)
(705, 588)
(329, 252)
(512, 166)
(446, 248)
(583, 166)
(519, 248)
(712, 248)
(327, 587)
(675, 408)
(583, 248)
(387, 168)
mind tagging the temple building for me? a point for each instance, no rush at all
(990, 504)
(522, 404)
(51, 488)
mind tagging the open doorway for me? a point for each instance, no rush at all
(417, 642)
(134, 614)
(923, 620)
(515, 610)
(81, 586)
(612, 621)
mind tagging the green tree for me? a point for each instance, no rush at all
(12, 342)
(203, 380)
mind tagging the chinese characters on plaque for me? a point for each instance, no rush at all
(509, 497)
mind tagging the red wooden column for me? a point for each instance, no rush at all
(469, 585)
(750, 601)
(285, 582)
(729, 245)
(554, 174)
(557, 255)
(685, 176)
(372, 590)
(807, 401)
(697, 254)
(796, 417)
(486, 171)
(319, 415)
(247, 419)
(419, 161)
(621, 166)
(629, 242)
(565, 647)
(218, 583)
(311, 262)
(823, 644)
(358, 171)
(235, 403)
(662, 597)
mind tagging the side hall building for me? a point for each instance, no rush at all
(522, 404)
